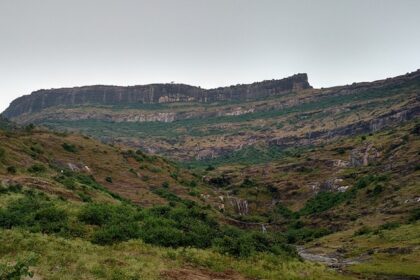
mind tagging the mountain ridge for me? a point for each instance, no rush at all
(151, 94)
(194, 130)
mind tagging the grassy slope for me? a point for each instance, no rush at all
(288, 115)
(134, 176)
(290, 176)
(66, 256)
(388, 198)
(59, 258)
(390, 251)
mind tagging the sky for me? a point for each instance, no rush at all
(208, 43)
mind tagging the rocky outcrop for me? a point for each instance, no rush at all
(151, 94)
(383, 121)
(364, 155)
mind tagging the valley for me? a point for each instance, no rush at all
(271, 180)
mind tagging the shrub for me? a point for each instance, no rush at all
(248, 183)
(416, 129)
(18, 270)
(210, 168)
(165, 185)
(283, 211)
(30, 127)
(108, 179)
(96, 214)
(377, 190)
(85, 197)
(16, 188)
(37, 150)
(222, 181)
(193, 184)
(340, 150)
(51, 219)
(11, 169)
(414, 215)
(363, 230)
(69, 147)
(324, 201)
(37, 168)
(297, 234)
(34, 213)
(389, 225)
(116, 232)
(244, 244)
(2, 152)
(117, 222)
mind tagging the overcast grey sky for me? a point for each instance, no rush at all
(56, 43)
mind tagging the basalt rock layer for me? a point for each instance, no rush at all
(151, 94)
(189, 123)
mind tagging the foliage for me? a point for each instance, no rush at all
(2, 152)
(283, 211)
(304, 234)
(414, 215)
(220, 181)
(72, 179)
(248, 183)
(363, 230)
(17, 270)
(239, 244)
(37, 168)
(69, 147)
(11, 169)
(324, 201)
(36, 213)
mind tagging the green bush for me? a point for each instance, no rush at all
(2, 152)
(71, 179)
(237, 243)
(210, 168)
(414, 215)
(34, 213)
(297, 234)
(377, 190)
(389, 225)
(340, 150)
(248, 183)
(69, 147)
(85, 197)
(282, 211)
(98, 214)
(116, 232)
(11, 169)
(416, 129)
(363, 230)
(16, 188)
(18, 270)
(37, 168)
(117, 222)
(108, 179)
(324, 201)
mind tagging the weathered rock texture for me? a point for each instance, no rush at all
(190, 123)
(151, 94)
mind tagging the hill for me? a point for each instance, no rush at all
(190, 124)
(73, 208)
(296, 175)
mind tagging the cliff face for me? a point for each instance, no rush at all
(151, 94)
(151, 117)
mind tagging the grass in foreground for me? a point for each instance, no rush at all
(59, 258)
